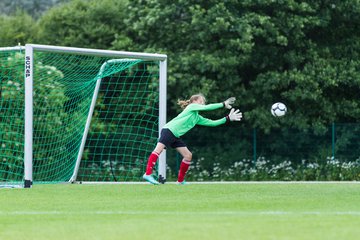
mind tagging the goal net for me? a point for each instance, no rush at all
(71, 114)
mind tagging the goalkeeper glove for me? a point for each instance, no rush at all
(228, 102)
(234, 115)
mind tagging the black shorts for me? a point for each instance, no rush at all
(169, 140)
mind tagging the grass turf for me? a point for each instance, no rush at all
(214, 211)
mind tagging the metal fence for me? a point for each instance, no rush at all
(229, 144)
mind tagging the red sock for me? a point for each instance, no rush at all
(184, 166)
(151, 162)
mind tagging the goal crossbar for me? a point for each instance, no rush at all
(97, 52)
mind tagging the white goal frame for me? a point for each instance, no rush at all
(28, 68)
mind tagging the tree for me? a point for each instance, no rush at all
(245, 42)
(32, 7)
(17, 29)
(80, 23)
(305, 54)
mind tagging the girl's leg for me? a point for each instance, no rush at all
(185, 163)
(154, 157)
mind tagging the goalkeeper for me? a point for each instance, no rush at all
(186, 120)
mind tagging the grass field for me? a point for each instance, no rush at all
(198, 211)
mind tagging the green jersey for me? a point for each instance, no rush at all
(190, 117)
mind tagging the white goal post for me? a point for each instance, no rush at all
(29, 79)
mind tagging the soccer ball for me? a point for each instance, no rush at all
(278, 109)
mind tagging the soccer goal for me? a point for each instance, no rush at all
(75, 114)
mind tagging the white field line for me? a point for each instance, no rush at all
(215, 213)
(234, 182)
(200, 183)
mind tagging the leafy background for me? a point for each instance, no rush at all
(303, 53)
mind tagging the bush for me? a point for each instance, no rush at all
(264, 170)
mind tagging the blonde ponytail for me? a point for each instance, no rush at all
(184, 103)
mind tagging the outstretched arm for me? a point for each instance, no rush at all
(211, 123)
(199, 107)
(208, 107)
(234, 115)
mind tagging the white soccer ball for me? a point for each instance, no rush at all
(278, 109)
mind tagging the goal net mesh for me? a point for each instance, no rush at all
(124, 124)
